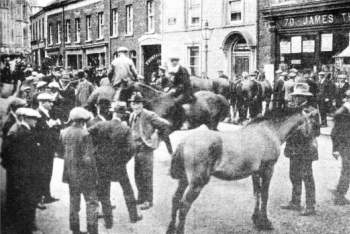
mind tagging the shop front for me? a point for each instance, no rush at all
(309, 38)
(96, 56)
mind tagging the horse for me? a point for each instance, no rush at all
(250, 151)
(216, 85)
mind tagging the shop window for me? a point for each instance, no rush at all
(59, 31)
(193, 59)
(150, 16)
(80, 61)
(36, 31)
(88, 28)
(235, 10)
(133, 56)
(103, 59)
(114, 22)
(68, 31)
(77, 30)
(129, 20)
(50, 34)
(100, 25)
(194, 12)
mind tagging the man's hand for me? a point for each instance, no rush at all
(336, 155)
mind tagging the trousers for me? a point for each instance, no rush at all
(301, 171)
(344, 181)
(144, 173)
(91, 201)
(104, 191)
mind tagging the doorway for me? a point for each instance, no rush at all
(241, 65)
(151, 60)
(241, 55)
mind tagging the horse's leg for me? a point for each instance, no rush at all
(257, 194)
(183, 183)
(189, 197)
(266, 174)
(168, 144)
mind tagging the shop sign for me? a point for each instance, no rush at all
(296, 45)
(327, 42)
(315, 20)
(296, 61)
(309, 46)
(285, 47)
(153, 57)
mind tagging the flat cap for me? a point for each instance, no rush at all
(25, 88)
(54, 85)
(252, 73)
(279, 71)
(45, 97)
(174, 58)
(347, 94)
(136, 97)
(321, 73)
(122, 49)
(30, 113)
(293, 70)
(79, 113)
(16, 102)
(139, 77)
(35, 74)
(342, 76)
(292, 74)
(284, 74)
(20, 111)
(119, 107)
(81, 74)
(40, 84)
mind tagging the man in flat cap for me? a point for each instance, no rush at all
(301, 149)
(164, 80)
(326, 94)
(68, 94)
(288, 88)
(342, 87)
(113, 149)
(278, 92)
(84, 89)
(122, 73)
(21, 160)
(80, 172)
(341, 148)
(144, 126)
(48, 132)
(180, 78)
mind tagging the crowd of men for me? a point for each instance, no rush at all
(48, 115)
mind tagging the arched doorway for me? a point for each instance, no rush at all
(241, 56)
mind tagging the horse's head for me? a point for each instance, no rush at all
(250, 89)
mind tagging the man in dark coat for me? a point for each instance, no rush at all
(48, 132)
(222, 75)
(341, 147)
(21, 161)
(103, 114)
(325, 96)
(301, 149)
(113, 149)
(84, 89)
(278, 96)
(181, 84)
(68, 93)
(342, 87)
(80, 171)
(144, 124)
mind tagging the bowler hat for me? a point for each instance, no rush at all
(284, 74)
(136, 97)
(301, 89)
(41, 84)
(119, 107)
(81, 74)
(79, 113)
(293, 70)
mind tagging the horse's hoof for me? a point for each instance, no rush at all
(171, 229)
(255, 218)
(264, 224)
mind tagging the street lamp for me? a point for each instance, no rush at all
(206, 34)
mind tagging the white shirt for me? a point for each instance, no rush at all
(46, 112)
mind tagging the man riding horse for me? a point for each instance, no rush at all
(122, 73)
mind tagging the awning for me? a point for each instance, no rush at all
(344, 54)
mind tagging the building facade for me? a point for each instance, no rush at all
(232, 46)
(137, 25)
(38, 37)
(14, 27)
(304, 34)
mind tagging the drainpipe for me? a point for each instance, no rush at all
(64, 37)
(109, 36)
(257, 33)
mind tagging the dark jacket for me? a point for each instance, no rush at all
(182, 82)
(302, 144)
(341, 130)
(326, 90)
(340, 93)
(75, 147)
(278, 89)
(113, 147)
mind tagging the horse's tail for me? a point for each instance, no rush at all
(177, 167)
(224, 107)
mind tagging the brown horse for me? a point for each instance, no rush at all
(252, 150)
(216, 85)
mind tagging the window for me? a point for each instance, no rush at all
(193, 58)
(114, 22)
(36, 31)
(42, 28)
(50, 34)
(133, 56)
(129, 20)
(150, 16)
(39, 31)
(100, 25)
(236, 10)
(88, 28)
(77, 30)
(59, 32)
(33, 32)
(194, 12)
(80, 61)
(68, 35)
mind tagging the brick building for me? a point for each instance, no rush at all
(305, 34)
(38, 37)
(137, 25)
(232, 46)
(77, 32)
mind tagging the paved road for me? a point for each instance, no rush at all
(222, 207)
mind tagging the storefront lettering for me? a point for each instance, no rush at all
(316, 20)
(153, 57)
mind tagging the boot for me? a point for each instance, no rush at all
(291, 206)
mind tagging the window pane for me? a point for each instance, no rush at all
(194, 51)
(195, 2)
(236, 5)
(236, 16)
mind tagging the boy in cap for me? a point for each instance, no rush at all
(301, 149)
(121, 72)
(163, 80)
(113, 149)
(144, 125)
(80, 171)
(84, 89)
(21, 161)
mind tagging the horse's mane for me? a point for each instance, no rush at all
(276, 115)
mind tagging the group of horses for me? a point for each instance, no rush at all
(251, 151)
